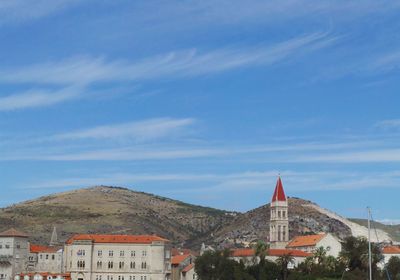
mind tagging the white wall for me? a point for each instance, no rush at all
(331, 245)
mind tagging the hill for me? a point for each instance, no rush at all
(111, 210)
(119, 210)
(392, 230)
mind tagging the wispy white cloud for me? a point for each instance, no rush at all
(367, 156)
(37, 98)
(389, 124)
(143, 130)
(87, 70)
(386, 62)
(295, 181)
(123, 154)
(303, 152)
(16, 11)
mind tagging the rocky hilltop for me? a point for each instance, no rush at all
(123, 211)
(112, 210)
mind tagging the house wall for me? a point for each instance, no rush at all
(331, 245)
(16, 250)
(190, 275)
(49, 262)
(149, 261)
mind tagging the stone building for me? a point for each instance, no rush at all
(279, 220)
(45, 259)
(117, 257)
(14, 250)
(183, 267)
(309, 243)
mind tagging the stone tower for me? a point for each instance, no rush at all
(54, 238)
(279, 220)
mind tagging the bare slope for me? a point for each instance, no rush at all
(392, 230)
(123, 211)
(303, 219)
(111, 210)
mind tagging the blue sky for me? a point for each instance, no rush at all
(203, 101)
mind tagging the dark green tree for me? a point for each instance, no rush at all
(218, 266)
(354, 256)
(393, 267)
(283, 263)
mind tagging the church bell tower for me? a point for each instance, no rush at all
(279, 220)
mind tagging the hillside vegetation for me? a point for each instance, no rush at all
(122, 211)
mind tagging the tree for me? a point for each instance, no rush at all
(354, 255)
(218, 266)
(283, 262)
(319, 255)
(393, 267)
(261, 251)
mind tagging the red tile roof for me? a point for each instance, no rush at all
(391, 250)
(176, 251)
(305, 240)
(247, 252)
(279, 193)
(175, 260)
(43, 249)
(187, 268)
(13, 233)
(243, 252)
(111, 238)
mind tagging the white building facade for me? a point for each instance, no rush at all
(309, 243)
(117, 257)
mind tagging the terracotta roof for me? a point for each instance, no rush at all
(243, 252)
(43, 249)
(176, 251)
(391, 250)
(13, 233)
(111, 238)
(179, 258)
(246, 252)
(279, 193)
(187, 268)
(291, 252)
(305, 240)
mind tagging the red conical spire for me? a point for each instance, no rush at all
(279, 193)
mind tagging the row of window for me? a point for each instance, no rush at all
(281, 214)
(7, 246)
(53, 257)
(122, 277)
(121, 253)
(281, 233)
(110, 265)
(82, 252)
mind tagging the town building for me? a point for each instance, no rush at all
(14, 250)
(117, 257)
(279, 218)
(309, 243)
(45, 259)
(248, 256)
(182, 267)
(390, 251)
(188, 273)
(42, 276)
